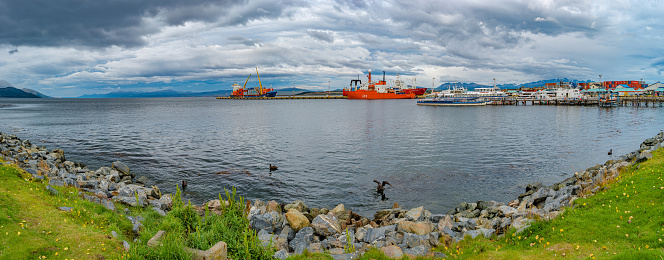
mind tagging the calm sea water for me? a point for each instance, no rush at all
(330, 151)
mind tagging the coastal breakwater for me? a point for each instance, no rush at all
(294, 227)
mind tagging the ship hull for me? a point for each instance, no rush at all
(372, 94)
(416, 91)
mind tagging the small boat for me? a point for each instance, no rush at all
(453, 101)
(244, 92)
(375, 90)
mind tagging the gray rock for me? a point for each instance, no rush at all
(92, 198)
(644, 156)
(417, 251)
(302, 239)
(374, 234)
(439, 255)
(472, 233)
(288, 232)
(121, 167)
(487, 232)
(315, 248)
(71, 182)
(159, 211)
(435, 218)
(52, 190)
(414, 214)
(66, 209)
(136, 228)
(32, 171)
(361, 233)
(540, 196)
(333, 242)
(281, 254)
(108, 204)
(125, 244)
(114, 234)
(412, 240)
(434, 239)
(507, 210)
(266, 238)
(348, 256)
(56, 182)
(447, 231)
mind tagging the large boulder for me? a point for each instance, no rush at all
(302, 240)
(270, 221)
(326, 225)
(122, 168)
(445, 222)
(296, 219)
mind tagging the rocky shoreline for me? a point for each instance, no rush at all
(294, 227)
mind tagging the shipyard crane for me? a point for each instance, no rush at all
(244, 88)
(260, 90)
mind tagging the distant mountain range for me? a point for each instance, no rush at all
(155, 94)
(173, 93)
(9, 91)
(471, 86)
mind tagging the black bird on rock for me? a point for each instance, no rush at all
(611, 152)
(273, 168)
(381, 186)
(184, 184)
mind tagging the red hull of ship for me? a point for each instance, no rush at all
(372, 94)
(416, 91)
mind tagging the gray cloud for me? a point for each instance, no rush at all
(95, 23)
(321, 35)
(15, 50)
(243, 41)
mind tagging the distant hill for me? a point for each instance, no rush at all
(291, 91)
(9, 91)
(34, 92)
(156, 94)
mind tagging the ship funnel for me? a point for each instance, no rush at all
(383, 75)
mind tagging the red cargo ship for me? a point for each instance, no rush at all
(256, 92)
(380, 90)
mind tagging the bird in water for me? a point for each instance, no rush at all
(184, 184)
(381, 186)
(273, 168)
(611, 152)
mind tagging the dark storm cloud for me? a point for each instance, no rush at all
(321, 35)
(97, 23)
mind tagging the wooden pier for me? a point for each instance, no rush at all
(622, 101)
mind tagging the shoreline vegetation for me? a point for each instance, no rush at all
(52, 208)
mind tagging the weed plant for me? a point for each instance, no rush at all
(184, 227)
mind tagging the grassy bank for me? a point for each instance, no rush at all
(624, 220)
(32, 226)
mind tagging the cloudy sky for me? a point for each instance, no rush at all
(75, 47)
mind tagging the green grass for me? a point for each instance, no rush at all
(597, 227)
(32, 227)
(184, 227)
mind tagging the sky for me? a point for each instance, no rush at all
(76, 47)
